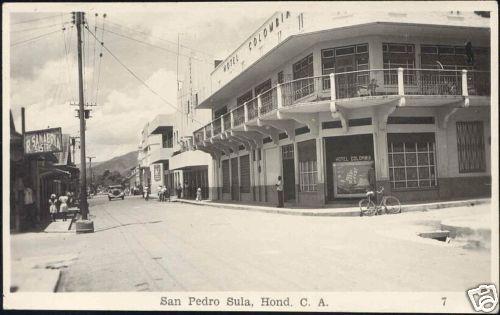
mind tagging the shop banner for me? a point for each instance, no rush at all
(43, 141)
(351, 179)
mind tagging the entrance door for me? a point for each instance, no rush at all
(235, 185)
(288, 172)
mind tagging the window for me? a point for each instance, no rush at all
(245, 174)
(308, 167)
(412, 160)
(303, 69)
(453, 57)
(398, 56)
(470, 146)
(280, 77)
(264, 86)
(226, 183)
(244, 98)
(345, 59)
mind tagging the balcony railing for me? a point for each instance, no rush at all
(353, 84)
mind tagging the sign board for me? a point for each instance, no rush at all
(350, 179)
(157, 172)
(43, 141)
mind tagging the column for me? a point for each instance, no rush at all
(321, 169)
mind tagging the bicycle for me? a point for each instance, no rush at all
(389, 204)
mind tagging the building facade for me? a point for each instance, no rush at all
(156, 144)
(319, 99)
(189, 168)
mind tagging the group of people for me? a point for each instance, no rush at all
(60, 205)
(163, 193)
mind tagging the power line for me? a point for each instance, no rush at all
(153, 45)
(38, 27)
(33, 39)
(100, 58)
(166, 40)
(139, 79)
(39, 19)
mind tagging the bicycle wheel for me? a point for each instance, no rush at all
(392, 205)
(367, 207)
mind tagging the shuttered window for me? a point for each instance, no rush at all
(470, 146)
(225, 177)
(245, 174)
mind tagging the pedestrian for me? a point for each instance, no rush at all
(179, 191)
(373, 181)
(165, 193)
(279, 190)
(198, 194)
(63, 208)
(160, 193)
(148, 191)
(53, 207)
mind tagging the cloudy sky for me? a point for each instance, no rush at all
(43, 64)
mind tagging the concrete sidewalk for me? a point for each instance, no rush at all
(59, 226)
(333, 212)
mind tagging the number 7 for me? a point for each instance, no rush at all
(444, 300)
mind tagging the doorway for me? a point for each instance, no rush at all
(235, 184)
(287, 155)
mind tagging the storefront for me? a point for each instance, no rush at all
(348, 160)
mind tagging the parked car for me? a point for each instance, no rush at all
(115, 191)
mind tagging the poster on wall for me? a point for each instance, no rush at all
(350, 179)
(157, 172)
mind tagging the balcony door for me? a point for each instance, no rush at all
(287, 154)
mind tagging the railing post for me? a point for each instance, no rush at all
(333, 94)
(212, 128)
(278, 96)
(205, 133)
(222, 124)
(401, 87)
(231, 115)
(245, 111)
(259, 105)
(465, 88)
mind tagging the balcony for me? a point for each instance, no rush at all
(406, 87)
(161, 124)
(160, 154)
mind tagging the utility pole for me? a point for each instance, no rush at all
(81, 113)
(90, 168)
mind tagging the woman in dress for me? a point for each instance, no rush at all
(63, 208)
(53, 207)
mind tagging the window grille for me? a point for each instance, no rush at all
(398, 56)
(308, 175)
(226, 183)
(470, 146)
(412, 161)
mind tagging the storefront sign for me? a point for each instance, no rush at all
(43, 141)
(267, 29)
(351, 179)
(157, 172)
(353, 158)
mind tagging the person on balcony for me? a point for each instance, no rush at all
(279, 190)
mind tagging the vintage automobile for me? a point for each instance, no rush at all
(115, 191)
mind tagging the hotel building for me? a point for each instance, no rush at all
(320, 98)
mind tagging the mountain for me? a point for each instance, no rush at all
(122, 164)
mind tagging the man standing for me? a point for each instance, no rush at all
(279, 189)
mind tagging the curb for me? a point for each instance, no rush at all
(348, 212)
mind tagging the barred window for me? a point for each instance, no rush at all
(470, 146)
(412, 160)
(245, 174)
(308, 168)
(225, 177)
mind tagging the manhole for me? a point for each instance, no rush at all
(436, 235)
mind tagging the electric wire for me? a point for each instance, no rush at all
(37, 28)
(141, 80)
(153, 45)
(93, 59)
(39, 19)
(34, 38)
(165, 40)
(101, 43)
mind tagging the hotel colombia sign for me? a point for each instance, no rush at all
(43, 141)
(258, 37)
